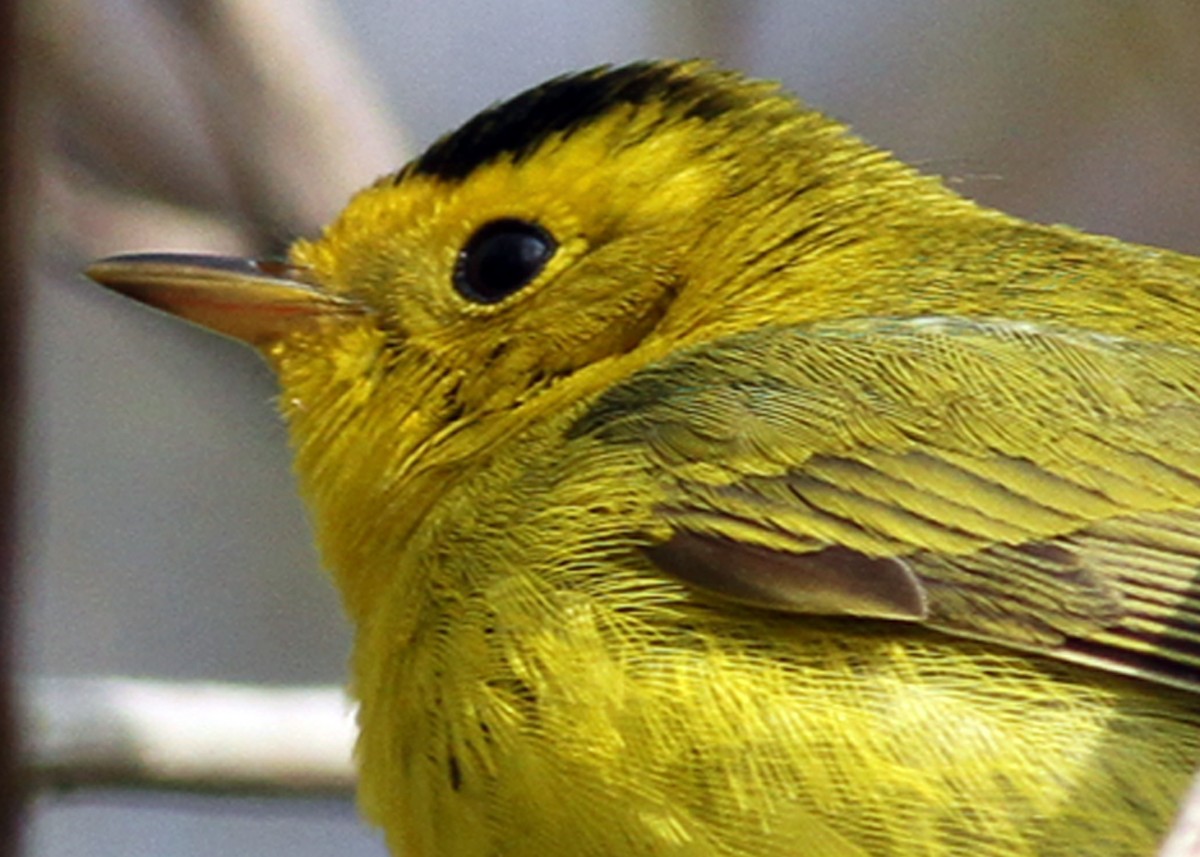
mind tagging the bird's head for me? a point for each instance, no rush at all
(549, 247)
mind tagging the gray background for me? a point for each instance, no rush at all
(162, 535)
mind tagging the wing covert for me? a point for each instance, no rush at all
(1033, 486)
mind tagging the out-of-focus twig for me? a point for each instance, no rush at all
(719, 30)
(1184, 839)
(222, 124)
(13, 213)
(215, 738)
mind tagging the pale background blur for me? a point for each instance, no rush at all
(162, 537)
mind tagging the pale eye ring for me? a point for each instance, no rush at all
(502, 257)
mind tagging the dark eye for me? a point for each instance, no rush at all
(500, 258)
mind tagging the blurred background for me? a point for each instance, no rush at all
(160, 534)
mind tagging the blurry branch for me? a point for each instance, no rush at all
(222, 739)
(13, 226)
(231, 125)
(189, 737)
(199, 125)
(1160, 36)
(719, 30)
(1184, 839)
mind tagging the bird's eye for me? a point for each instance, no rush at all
(500, 258)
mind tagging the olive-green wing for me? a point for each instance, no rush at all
(1028, 485)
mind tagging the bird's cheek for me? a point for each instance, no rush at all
(314, 366)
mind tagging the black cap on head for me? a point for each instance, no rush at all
(518, 126)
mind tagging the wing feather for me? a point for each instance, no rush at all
(1032, 486)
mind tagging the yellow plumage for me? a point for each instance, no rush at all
(702, 481)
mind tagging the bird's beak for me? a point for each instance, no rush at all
(257, 302)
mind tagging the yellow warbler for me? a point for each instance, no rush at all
(703, 481)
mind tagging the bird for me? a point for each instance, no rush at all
(702, 480)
